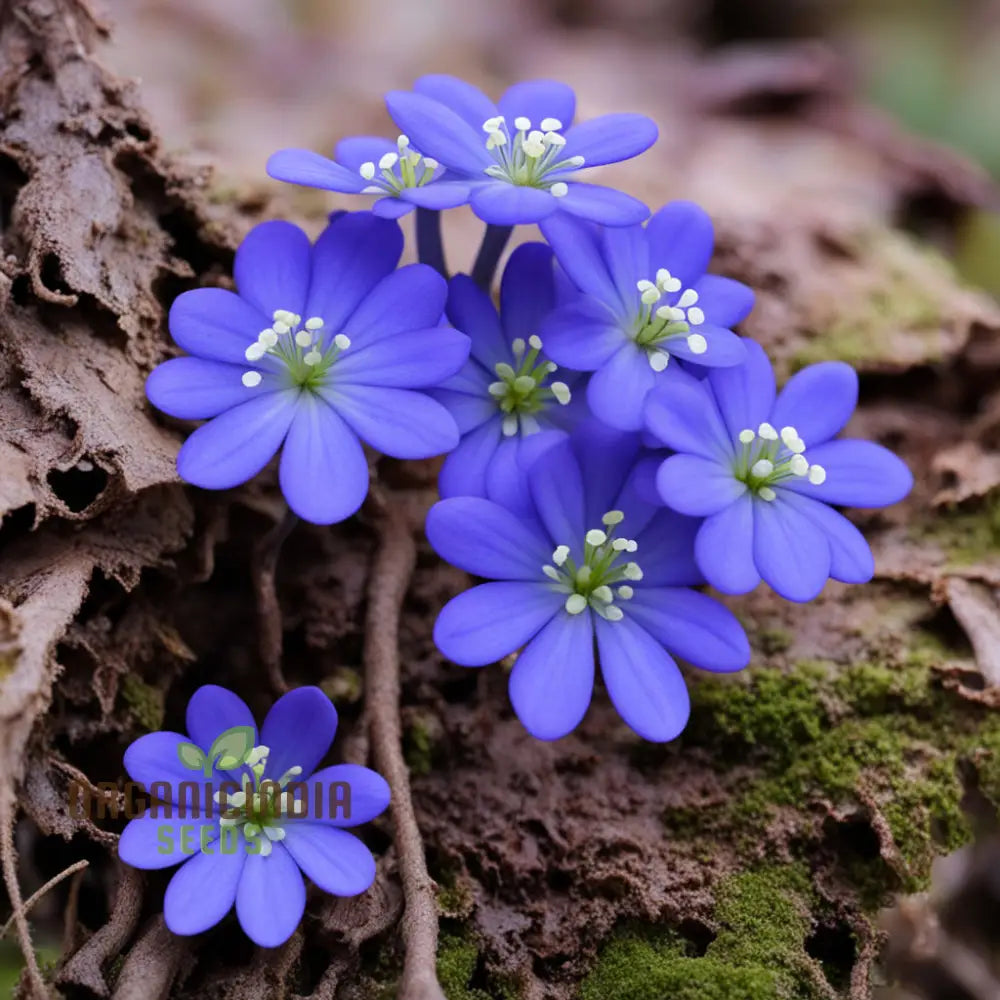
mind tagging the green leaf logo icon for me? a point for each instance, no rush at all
(191, 756)
(230, 749)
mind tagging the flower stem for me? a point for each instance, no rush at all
(430, 249)
(494, 240)
(265, 565)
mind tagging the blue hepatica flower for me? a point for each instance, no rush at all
(590, 562)
(645, 299)
(763, 471)
(507, 400)
(520, 156)
(320, 349)
(265, 831)
(401, 177)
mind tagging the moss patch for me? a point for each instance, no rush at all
(965, 535)
(145, 702)
(457, 961)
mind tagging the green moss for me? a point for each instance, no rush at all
(343, 686)
(758, 954)
(966, 535)
(418, 748)
(773, 640)
(144, 701)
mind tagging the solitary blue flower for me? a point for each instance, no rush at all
(521, 155)
(313, 387)
(591, 561)
(401, 177)
(763, 471)
(253, 822)
(645, 299)
(507, 400)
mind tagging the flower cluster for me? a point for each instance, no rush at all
(611, 442)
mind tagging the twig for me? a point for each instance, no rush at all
(270, 628)
(394, 563)
(38, 893)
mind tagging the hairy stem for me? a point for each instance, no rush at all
(430, 249)
(265, 565)
(387, 587)
(494, 240)
(38, 893)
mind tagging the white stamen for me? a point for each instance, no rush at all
(797, 446)
(560, 555)
(575, 603)
(430, 163)
(498, 389)
(766, 493)
(697, 343)
(268, 338)
(559, 190)
(603, 594)
(576, 161)
(367, 170)
(313, 358)
(517, 345)
(595, 537)
(696, 316)
(303, 338)
(274, 832)
(613, 614)
(798, 465)
(632, 545)
(509, 425)
(817, 474)
(620, 544)
(767, 432)
(645, 285)
(763, 468)
(551, 572)
(496, 139)
(492, 124)
(255, 352)
(402, 142)
(658, 360)
(280, 328)
(550, 124)
(688, 298)
(373, 189)
(553, 139)
(314, 323)
(534, 341)
(789, 435)
(524, 384)
(522, 124)
(533, 145)
(747, 436)
(561, 391)
(625, 592)
(650, 295)
(613, 517)
(251, 379)
(632, 571)
(388, 161)
(342, 341)
(284, 316)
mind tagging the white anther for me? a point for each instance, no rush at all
(303, 338)
(575, 603)
(402, 142)
(632, 546)
(613, 517)
(789, 435)
(747, 436)
(650, 295)
(342, 341)
(766, 493)
(559, 190)
(696, 316)
(280, 327)
(560, 555)
(509, 425)
(517, 345)
(268, 338)
(798, 465)
(413, 158)
(522, 124)
(550, 124)
(561, 391)
(767, 432)
(388, 161)
(255, 352)
(373, 189)
(274, 832)
(533, 145)
(797, 446)
(613, 614)
(492, 124)
(535, 342)
(551, 366)
(553, 139)
(603, 594)
(625, 592)
(575, 161)
(524, 384)
(644, 285)
(632, 571)
(314, 323)
(817, 474)
(251, 379)
(313, 358)
(658, 360)
(697, 343)
(620, 544)
(498, 389)
(667, 281)
(763, 468)
(688, 298)
(595, 537)
(284, 315)
(430, 163)
(265, 847)
(496, 139)
(367, 170)
(551, 572)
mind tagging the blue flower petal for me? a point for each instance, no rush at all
(470, 411)
(692, 626)
(506, 476)
(851, 558)
(745, 393)
(617, 391)
(391, 207)
(858, 474)
(553, 678)
(471, 310)
(271, 897)
(627, 255)
(577, 247)
(666, 551)
(211, 711)
(503, 204)
(725, 302)
(610, 138)
(464, 471)
(582, 335)
(527, 290)
(203, 891)
(438, 195)
(216, 324)
(697, 486)
(439, 132)
(484, 624)
(334, 859)
(602, 204)
(298, 731)
(724, 548)
(154, 842)
(413, 360)
(817, 402)
(643, 681)
(369, 794)
(484, 538)
(605, 457)
(724, 348)
(538, 99)
(681, 238)
(198, 389)
(358, 149)
(469, 102)
(411, 298)
(396, 422)
(303, 166)
(683, 415)
(352, 255)
(153, 757)
(272, 267)
(557, 489)
(791, 553)
(323, 471)
(236, 445)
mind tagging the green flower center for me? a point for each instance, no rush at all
(397, 171)
(766, 458)
(528, 156)
(604, 566)
(656, 326)
(521, 392)
(299, 346)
